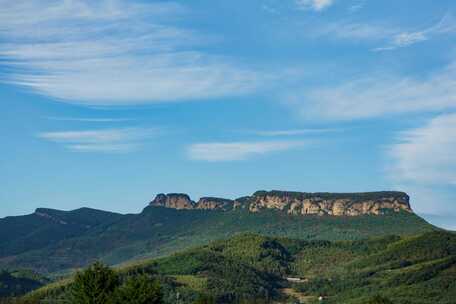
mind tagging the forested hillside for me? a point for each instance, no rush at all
(62, 241)
(16, 283)
(249, 268)
(45, 227)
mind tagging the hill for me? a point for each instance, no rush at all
(51, 241)
(13, 283)
(47, 226)
(250, 268)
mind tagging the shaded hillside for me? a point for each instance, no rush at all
(419, 269)
(46, 227)
(13, 283)
(159, 231)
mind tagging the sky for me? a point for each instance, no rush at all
(107, 103)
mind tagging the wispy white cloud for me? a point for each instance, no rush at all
(316, 5)
(103, 140)
(378, 95)
(403, 39)
(270, 9)
(112, 52)
(104, 148)
(356, 7)
(388, 36)
(426, 155)
(82, 119)
(422, 162)
(344, 30)
(222, 151)
(293, 132)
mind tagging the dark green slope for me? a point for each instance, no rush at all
(160, 231)
(13, 283)
(418, 269)
(47, 227)
(413, 269)
(409, 269)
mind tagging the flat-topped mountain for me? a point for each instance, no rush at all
(52, 240)
(181, 201)
(296, 203)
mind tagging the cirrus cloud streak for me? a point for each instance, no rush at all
(231, 151)
(378, 95)
(112, 52)
(316, 5)
(101, 140)
(427, 155)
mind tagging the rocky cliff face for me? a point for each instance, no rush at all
(173, 200)
(337, 204)
(182, 201)
(215, 203)
(297, 203)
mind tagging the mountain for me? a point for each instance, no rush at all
(296, 203)
(248, 268)
(50, 241)
(47, 226)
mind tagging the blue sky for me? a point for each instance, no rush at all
(106, 103)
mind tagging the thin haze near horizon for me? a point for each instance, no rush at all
(106, 103)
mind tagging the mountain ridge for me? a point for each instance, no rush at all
(296, 203)
(53, 241)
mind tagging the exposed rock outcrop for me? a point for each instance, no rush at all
(215, 203)
(297, 203)
(45, 213)
(173, 200)
(337, 204)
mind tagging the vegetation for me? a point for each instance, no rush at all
(13, 283)
(250, 268)
(99, 284)
(48, 246)
(418, 269)
(248, 258)
(46, 226)
(96, 285)
(139, 290)
(379, 300)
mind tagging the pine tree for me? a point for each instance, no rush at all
(139, 290)
(95, 285)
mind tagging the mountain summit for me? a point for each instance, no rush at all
(296, 203)
(52, 240)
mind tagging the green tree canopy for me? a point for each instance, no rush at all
(204, 299)
(379, 300)
(95, 285)
(139, 290)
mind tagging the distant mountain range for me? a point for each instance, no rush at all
(50, 241)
